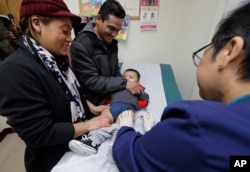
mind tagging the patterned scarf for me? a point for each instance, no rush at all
(66, 78)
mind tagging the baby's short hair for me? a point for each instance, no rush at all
(133, 70)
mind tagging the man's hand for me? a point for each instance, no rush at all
(134, 87)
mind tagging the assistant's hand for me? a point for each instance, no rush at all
(134, 87)
(125, 119)
(149, 121)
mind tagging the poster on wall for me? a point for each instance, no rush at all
(123, 33)
(149, 14)
(89, 10)
(91, 7)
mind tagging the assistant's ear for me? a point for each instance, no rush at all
(36, 23)
(235, 46)
(232, 51)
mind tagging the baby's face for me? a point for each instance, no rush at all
(131, 76)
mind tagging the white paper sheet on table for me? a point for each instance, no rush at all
(151, 78)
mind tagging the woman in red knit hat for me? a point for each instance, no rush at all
(41, 96)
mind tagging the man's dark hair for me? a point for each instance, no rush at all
(111, 7)
(236, 24)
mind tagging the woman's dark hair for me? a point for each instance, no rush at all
(111, 7)
(236, 24)
(24, 28)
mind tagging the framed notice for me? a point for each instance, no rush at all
(149, 14)
(91, 7)
(132, 8)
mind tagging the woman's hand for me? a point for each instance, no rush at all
(97, 109)
(92, 124)
(98, 122)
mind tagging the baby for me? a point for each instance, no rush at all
(123, 105)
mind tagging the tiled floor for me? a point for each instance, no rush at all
(12, 154)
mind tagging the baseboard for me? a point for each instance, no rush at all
(5, 132)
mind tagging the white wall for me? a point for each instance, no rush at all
(199, 19)
(183, 27)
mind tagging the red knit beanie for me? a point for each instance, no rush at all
(50, 8)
